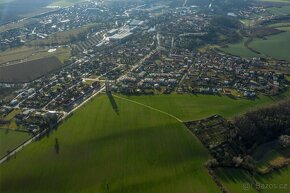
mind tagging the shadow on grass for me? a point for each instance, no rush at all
(56, 146)
(113, 102)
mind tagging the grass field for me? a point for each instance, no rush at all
(10, 139)
(284, 10)
(133, 150)
(278, 178)
(240, 181)
(119, 146)
(60, 38)
(65, 3)
(25, 53)
(270, 155)
(238, 49)
(193, 107)
(276, 1)
(275, 46)
(235, 180)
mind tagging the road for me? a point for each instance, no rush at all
(139, 63)
(45, 130)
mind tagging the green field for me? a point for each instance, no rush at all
(284, 10)
(193, 107)
(118, 145)
(274, 46)
(235, 180)
(65, 3)
(10, 139)
(240, 181)
(276, 1)
(238, 49)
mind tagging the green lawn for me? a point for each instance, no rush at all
(120, 146)
(10, 139)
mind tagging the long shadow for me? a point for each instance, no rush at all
(113, 102)
(56, 146)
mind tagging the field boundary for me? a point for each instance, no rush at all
(149, 107)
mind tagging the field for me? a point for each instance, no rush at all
(194, 107)
(284, 10)
(132, 149)
(118, 145)
(10, 139)
(274, 46)
(28, 53)
(239, 49)
(276, 1)
(28, 71)
(12, 9)
(16, 9)
(65, 3)
(61, 38)
(240, 181)
(270, 155)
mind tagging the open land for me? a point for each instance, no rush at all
(65, 3)
(238, 180)
(239, 49)
(28, 71)
(17, 55)
(12, 9)
(15, 9)
(123, 159)
(9, 139)
(274, 46)
(128, 143)
(276, 1)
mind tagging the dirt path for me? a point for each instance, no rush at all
(149, 107)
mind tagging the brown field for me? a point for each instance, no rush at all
(28, 53)
(28, 71)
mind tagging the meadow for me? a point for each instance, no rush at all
(101, 149)
(65, 3)
(193, 107)
(239, 49)
(241, 181)
(113, 144)
(10, 139)
(274, 46)
(276, 1)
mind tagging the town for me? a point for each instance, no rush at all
(133, 51)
